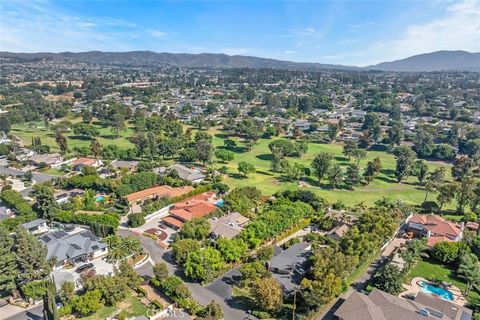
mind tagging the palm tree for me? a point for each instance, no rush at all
(414, 251)
(131, 246)
(469, 269)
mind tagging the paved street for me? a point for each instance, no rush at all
(10, 312)
(37, 177)
(219, 290)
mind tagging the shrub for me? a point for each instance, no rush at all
(34, 289)
(136, 220)
(447, 252)
(157, 304)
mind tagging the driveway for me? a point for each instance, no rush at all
(363, 280)
(219, 290)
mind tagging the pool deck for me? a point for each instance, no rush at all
(414, 289)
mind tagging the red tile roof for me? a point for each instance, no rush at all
(173, 221)
(159, 191)
(437, 225)
(195, 207)
(84, 161)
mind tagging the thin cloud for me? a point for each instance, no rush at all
(157, 33)
(458, 29)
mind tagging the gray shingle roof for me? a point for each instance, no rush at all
(64, 246)
(186, 173)
(379, 305)
(33, 224)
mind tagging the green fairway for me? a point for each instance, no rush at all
(384, 184)
(37, 129)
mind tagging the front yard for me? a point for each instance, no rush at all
(130, 307)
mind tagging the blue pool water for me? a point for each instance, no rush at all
(220, 203)
(431, 289)
(100, 199)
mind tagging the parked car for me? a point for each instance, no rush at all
(84, 267)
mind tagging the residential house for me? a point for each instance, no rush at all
(196, 207)
(48, 159)
(64, 196)
(137, 198)
(121, 164)
(79, 163)
(227, 226)
(73, 248)
(341, 222)
(36, 226)
(5, 213)
(290, 265)
(435, 228)
(379, 305)
(187, 174)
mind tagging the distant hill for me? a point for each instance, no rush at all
(211, 60)
(435, 61)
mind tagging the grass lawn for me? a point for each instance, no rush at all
(384, 184)
(430, 270)
(130, 307)
(28, 130)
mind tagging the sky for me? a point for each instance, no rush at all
(351, 32)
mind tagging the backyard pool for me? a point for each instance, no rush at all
(434, 290)
(220, 203)
(100, 198)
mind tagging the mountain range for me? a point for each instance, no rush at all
(435, 61)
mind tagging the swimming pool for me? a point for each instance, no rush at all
(100, 198)
(434, 290)
(220, 203)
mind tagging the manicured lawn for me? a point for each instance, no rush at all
(384, 185)
(432, 270)
(37, 129)
(130, 307)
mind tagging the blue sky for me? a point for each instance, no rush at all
(344, 32)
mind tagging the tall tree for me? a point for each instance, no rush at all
(395, 134)
(96, 149)
(434, 180)
(118, 124)
(268, 294)
(46, 204)
(50, 311)
(322, 163)
(469, 269)
(62, 143)
(371, 123)
(405, 158)
(31, 256)
(8, 262)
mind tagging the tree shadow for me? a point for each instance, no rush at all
(386, 179)
(237, 176)
(77, 137)
(110, 136)
(265, 157)
(266, 173)
(342, 159)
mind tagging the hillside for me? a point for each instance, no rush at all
(435, 61)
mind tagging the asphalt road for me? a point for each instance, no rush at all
(219, 290)
(35, 313)
(37, 177)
